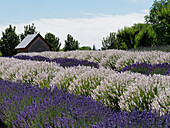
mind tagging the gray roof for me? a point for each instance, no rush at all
(24, 43)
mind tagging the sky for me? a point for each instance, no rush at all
(88, 21)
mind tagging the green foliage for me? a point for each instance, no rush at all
(136, 36)
(94, 47)
(71, 44)
(145, 37)
(85, 48)
(29, 29)
(156, 7)
(163, 28)
(110, 42)
(53, 41)
(9, 41)
(159, 18)
(126, 37)
(130, 37)
(60, 50)
(155, 32)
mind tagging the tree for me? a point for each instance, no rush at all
(94, 47)
(85, 48)
(126, 37)
(154, 10)
(146, 37)
(110, 42)
(53, 41)
(159, 18)
(71, 44)
(137, 35)
(9, 41)
(29, 29)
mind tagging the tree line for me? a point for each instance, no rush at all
(10, 40)
(154, 32)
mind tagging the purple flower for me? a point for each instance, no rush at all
(31, 106)
(64, 62)
(147, 69)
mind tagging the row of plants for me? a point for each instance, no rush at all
(114, 59)
(25, 106)
(119, 90)
(163, 48)
(143, 68)
(64, 62)
(148, 69)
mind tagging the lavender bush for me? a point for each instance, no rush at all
(114, 59)
(64, 62)
(122, 90)
(26, 106)
(148, 69)
(23, 105)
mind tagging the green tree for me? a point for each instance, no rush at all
(126, 37)
(146, 37)
(137, 35)
(9, 41)
(71, 44)
(154, 10)
(110, 42)
(94, 47)
(85, 48)
(29, 29)
(53, 41)
(159, 18)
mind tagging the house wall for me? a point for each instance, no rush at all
(22, 50)
(38, 45)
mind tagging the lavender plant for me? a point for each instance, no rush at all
(64, 62)
(23, 105)
(115, 59)
(148, 69)
(26, 106)
(108, 86)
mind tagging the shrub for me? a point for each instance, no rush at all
(23, 105)
(64, 62)
(148, 69)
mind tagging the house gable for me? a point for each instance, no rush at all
(38, 45)
(25, 42)
(33, 43)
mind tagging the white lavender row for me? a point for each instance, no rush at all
(115, 59)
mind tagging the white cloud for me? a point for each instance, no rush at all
(146, 11)
(87, 31)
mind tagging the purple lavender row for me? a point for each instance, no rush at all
(26, 106)
(64, 62)
(148, 69)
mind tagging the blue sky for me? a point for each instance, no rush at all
(93, 18)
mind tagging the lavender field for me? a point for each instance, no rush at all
(99, 89)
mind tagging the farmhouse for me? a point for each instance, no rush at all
(33, 43)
